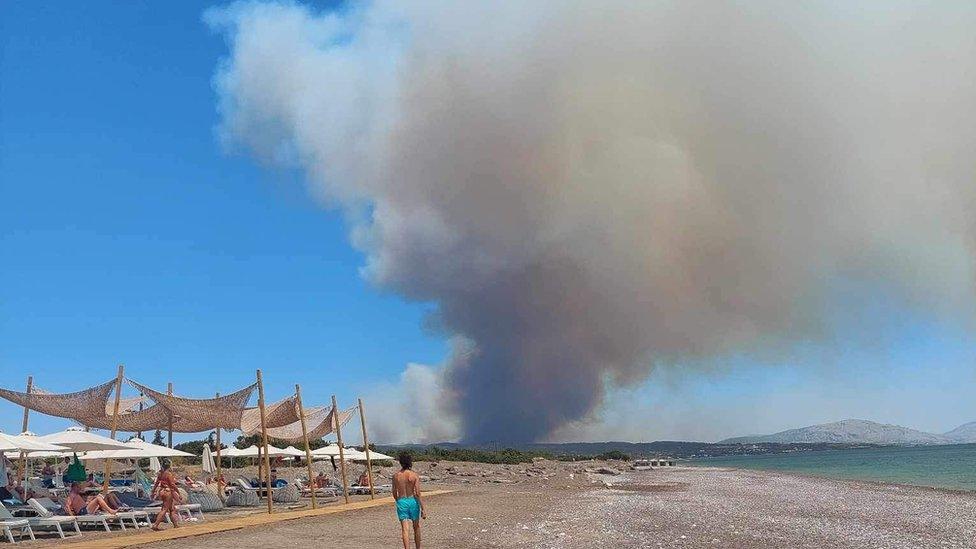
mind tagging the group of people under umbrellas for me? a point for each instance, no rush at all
(83, 496)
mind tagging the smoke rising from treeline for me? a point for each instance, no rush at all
(587, 190)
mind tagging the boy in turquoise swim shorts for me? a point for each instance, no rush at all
(406, 493)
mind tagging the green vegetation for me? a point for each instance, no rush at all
(434, 453)
(613, 455)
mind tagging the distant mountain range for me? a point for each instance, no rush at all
(838, 435)
(859, 431)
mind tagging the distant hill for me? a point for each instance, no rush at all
(850, 431)
(965, 433)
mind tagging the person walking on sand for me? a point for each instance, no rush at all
(165, 489)
(406, 494)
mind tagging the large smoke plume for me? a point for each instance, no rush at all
(589, 190)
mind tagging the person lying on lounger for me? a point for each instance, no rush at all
(78, 504)
(322, 481)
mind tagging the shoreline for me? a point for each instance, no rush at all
(880, 483)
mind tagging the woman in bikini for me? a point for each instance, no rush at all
(165, 490)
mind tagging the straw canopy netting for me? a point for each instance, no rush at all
(89, 403)
(195, 415)
(130, 418)
(92, 409)
(280, 414)
(319, 421)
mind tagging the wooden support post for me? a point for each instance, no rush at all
(219, 488)
(308, 450)
(342, 456)
(169, 430)
(23, 455)
(369, 462)
(141, 396)
(264, 436)
(115, 424)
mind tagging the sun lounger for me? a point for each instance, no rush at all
(98, 519)
(149, 507)
(45, 507)
(325, 491)
(21, 525)
(246, 486)
(364, 489)
(44, 518)
(133, 516)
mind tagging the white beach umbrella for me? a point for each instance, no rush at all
(332, 450)
(78, 440)
(274, 451)
(356, 455)
(27, 444)
(250, 451)
(208, 461)
(138, 449)
(294, 452)
(378, 455)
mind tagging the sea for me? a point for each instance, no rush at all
(952, 466)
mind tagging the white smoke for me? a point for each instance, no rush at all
(412, 409)
(589, 191)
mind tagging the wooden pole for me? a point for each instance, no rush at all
(219, 488)
(369, 462)
(141, 396)
(169, 436)
(115, 424)
(23, 455)
(264, 436)
(308, 450)
(342, 457)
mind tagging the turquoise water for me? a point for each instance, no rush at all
(938, 466)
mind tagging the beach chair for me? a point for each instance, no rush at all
(44, 518)
(246, 486)
(21, 525)
(97, 520)
(364, 488)
(147, 507)
(324, 492)
(46, 507)
(190, 510)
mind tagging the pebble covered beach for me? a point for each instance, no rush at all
(549, 504)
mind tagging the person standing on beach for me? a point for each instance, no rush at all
(406, 494)
(165, 489)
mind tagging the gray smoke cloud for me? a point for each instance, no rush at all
(588, 191)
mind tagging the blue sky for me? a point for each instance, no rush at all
(129, 235)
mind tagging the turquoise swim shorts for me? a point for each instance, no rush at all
(408, 509)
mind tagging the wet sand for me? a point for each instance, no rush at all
(560, 505)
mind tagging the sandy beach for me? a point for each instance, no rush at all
(551, 504)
